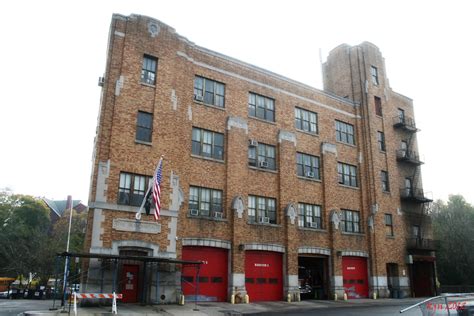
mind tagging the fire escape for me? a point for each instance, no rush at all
(415, 204)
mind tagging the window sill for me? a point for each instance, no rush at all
(387, 192)
(210, 105)
(383, 152)
(353, 234)
(348, 187)
(347, 144)
(207, 158)
(310, 179)
(316, 230)
(307, 133)
(263, 169)
(390, 236)
(207, 218)
(265, 225)
(261, 120)
(141, 142)
(148, 84)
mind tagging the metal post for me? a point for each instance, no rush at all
(197, 288)
(114, 281)
(157, 282)
(447, 306)
(102, 268)
(144, 294)
(56, 264)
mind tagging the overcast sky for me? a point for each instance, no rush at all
(53, 52)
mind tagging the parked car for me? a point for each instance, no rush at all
(5, 294)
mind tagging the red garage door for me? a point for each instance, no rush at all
(264, 275)
(354, 276)
(212, 274)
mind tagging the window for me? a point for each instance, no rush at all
(261, 210)
(385, 183)
(416, 231)
(209, 91)
(388, 225)
(261, 107)
(401, 115)
(132, 188)
(262, 156)
(347, 174)
(205, 202)
(375, 75)
(208, 144)
(144, 126)
(408, 187)
(345, 132)
(306, 121)
(309, 215)
(307, 166)
(381, 140)
(378, 106)
(350, 221)
(149, 69)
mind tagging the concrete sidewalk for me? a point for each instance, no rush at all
(227, 309)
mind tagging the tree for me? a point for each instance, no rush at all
(453, 226)
(24, 229)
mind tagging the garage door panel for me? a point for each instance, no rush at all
(264, 275)
(355, 278)
(211, 284)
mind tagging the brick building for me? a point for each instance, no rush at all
(279, 188)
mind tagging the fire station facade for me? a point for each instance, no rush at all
(280, 189)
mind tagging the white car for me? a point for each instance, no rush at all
(5, 294)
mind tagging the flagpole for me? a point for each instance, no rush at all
(69, 201)
(138, 215)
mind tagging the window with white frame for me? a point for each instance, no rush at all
(205, 202)
(381, 140)
(306, 120)
(307, 166)
(262, 156)
(350, 221)
(132, 188)
(261, 210)
(209, 91)
(148, 75)
(375, 75)
(309, 215)
(345, 132)
(207, 143)
(385, 182)
(261, 107)
(347, 174)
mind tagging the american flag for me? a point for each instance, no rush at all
(157, 189)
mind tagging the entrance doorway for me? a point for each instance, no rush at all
(423, 279)
(392, 280)
(313, 277)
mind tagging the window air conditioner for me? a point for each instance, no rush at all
(198, 97)
(253, 143)
(263, 164)
(101, 81)
(264, 220)
(310, 174)
(312, 225)
(194, 212)
(217, 214)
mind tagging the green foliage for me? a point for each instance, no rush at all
(28, 240)
(453, 225)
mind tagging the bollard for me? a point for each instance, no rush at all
(232, 299)
(345, 296)
(181, 299)
(288, 298)
(247, 299)
(374, 295)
